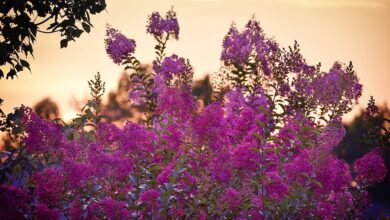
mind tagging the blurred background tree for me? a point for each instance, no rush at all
(21, 20)
(47, 109)
(117, 108)
(364, 133)
(203, 90)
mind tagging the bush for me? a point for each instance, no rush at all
(261, 150)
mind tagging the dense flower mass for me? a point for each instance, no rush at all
(231, 199)
(150, 199)
(333, 174)
(333, 133)
(275, 187)
(49, 185)
(118, 46)
(330, 87)
(13, 202)
(261, 149)
(44, 212)
(43, 136)
(115, 209)
(371, 167)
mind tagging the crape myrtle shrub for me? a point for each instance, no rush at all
(261, 150)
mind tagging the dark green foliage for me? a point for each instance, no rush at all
(20, 20)
(378, 123)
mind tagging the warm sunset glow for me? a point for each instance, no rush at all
(343, 30)
(195, 109)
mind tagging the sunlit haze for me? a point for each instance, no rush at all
(327, 30)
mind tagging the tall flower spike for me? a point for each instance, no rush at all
(118, 46)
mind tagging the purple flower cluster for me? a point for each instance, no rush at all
(275, 187)
(371, 167)
(336, 87)
(118, 46)
(150, 198)
(49, 186)
(44, 212)
(173, 66)
(333, 134)
(210, 128)
(137, 139)
(163, 27)
(107, 134)
(231, 199)
(173, 71)
(42, 136)
(300, 168)
(176, 103)
(163, 177)
(333, 174)
(114, 209)
(239, 46)
(334, 205)
(77, 173)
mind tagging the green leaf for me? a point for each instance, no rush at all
(273, 138)
(89, 113)
(76, 135)
(318, 184)
(259, 137)
(91, 136)
(155, 168)
(304, 175)
(172, 179)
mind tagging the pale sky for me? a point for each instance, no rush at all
(327, 30)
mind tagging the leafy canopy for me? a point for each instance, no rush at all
(21, 20)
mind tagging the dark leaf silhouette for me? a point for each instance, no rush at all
(20, 21)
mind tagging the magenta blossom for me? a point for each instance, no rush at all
(150, 197)
(371, 167)
(159, 26)
(231, 199)
(118, 46)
